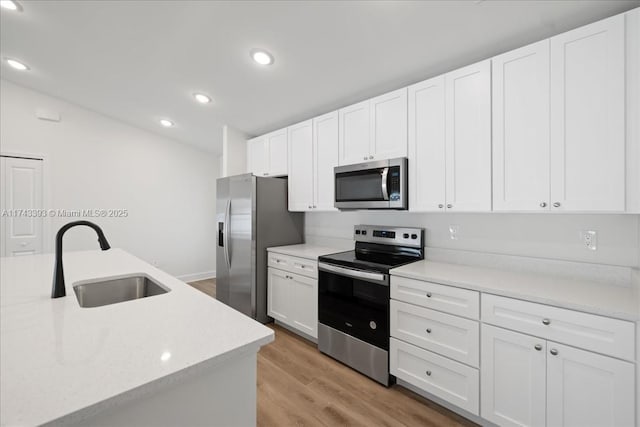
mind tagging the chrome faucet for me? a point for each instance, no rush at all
(58, 290)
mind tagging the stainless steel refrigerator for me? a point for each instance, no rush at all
(252, 215)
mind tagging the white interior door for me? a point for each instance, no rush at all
(22, 205)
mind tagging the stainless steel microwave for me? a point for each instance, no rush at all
(372, 185)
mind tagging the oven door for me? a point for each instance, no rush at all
(355, 302)
(372, 185)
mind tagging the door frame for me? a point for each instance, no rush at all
(47, 223)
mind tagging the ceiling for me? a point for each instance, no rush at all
(140, 61)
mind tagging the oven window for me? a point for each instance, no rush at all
(356, 307)
(359, 186)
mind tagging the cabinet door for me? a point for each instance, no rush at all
(354, 133)
(279, 300)
(325, 153)
(587, 389)
(427, 146)
(468, 135)
(587, 118)
(389, 125)
(305, 300)
(277, 151)
(521, 129)
(512, 371)
(257, 156)
(301, 167)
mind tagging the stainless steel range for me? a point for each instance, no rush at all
(353, 296)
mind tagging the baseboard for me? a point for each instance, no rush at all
(193, 277)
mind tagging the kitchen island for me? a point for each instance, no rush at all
(179, 358)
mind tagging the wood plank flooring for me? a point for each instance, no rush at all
(299, 386)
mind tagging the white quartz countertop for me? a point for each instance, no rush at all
(614, 301)
(304, 250)
(59, 361)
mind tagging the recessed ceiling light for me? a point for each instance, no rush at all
(10, 4)
(16, 64)
(166, 123)
(202, 98)
(262, 57)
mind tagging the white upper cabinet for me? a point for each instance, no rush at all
(374, 129)
(427, 145)
(521, 129)
(267, 154)
(468, 138)
(300, 171)
(325, 153)
(389, 125)
(257, 160)
(277, 146)
(354, 133)
(588, 118)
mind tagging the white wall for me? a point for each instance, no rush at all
(234, 152)
(540, 236)
(93, 161)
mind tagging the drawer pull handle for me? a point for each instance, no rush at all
(546, 321)
(538, 347)
(553, 351)
(428, 373)
(428, 294)
(428, 330)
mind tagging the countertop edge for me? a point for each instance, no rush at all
(150, 387)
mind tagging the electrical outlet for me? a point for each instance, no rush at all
(589, 239)
(453, 231)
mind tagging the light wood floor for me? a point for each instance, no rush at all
(299, 386)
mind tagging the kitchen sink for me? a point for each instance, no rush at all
(113, 291)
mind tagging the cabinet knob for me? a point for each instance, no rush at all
(538, 347)
(449, 206)
(553, 351)
(441, 206)
(364, 158)
(314, 206)
(556, 204)
(309, 206)
(265, 174)
(546, 321)
(370, 157)
(428, 373)
(428, 294)
(543, 204)
(428, 330)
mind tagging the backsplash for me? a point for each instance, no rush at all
(523, 242)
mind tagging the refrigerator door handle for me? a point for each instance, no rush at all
(227, 223)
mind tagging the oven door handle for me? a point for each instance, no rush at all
(385, 192)
(356, 274)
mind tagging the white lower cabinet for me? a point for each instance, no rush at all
(442, 377)
(528, 381)
(292, 294)
(512, 375)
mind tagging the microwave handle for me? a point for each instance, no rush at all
(385, 192)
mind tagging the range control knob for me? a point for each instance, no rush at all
(414, 236)
(405, 235)
(373, 325)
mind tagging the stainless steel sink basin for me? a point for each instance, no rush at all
(113, 291)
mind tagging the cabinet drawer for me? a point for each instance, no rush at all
(297, 265)
(589, 331)
(448, 335)
(461, 302)
(452, 381)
